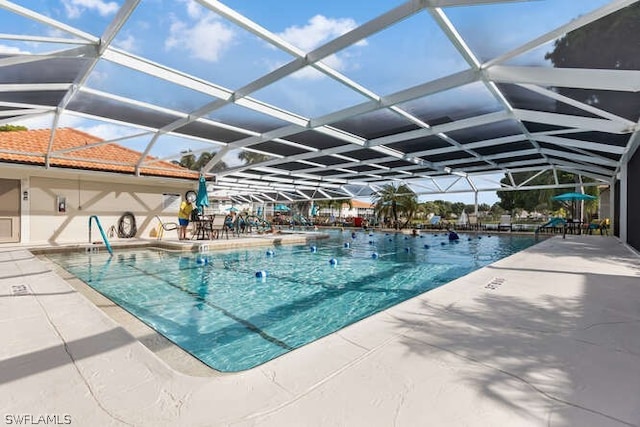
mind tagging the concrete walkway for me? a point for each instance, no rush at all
(549, 336)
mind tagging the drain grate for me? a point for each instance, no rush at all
(495, 283)
(20, 290)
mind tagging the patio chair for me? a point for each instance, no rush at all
(239, 225)
(222, 225)
(505, 223)
(473, 222)
(602, 226)
(164, 226)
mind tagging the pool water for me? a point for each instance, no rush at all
(213, 305)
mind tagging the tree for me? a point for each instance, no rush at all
(331, 204)
(444, 208)
(12, 128)
(251, 157)
(391, 201)
(457, 208)
(609, 43)
(431, 207)
(496, 210)
(342, 202)
(302, 207)
(189, 161)
(615, 37)
(484, 207)
(540, 200)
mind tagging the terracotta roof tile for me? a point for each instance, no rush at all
(362, 205)
(30, 147)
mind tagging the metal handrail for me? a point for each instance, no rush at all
(104, 236)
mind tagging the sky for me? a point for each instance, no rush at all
(181, 34)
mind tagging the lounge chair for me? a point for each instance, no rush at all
(434, 222)
(555, 224)
(473, 222)
(505, 223)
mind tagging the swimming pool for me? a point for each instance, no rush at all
(215, 307)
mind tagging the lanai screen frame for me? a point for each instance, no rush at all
(353, 151)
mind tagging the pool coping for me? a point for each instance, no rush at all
(276, 239)
(165, 349)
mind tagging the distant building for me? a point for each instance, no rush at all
(358, 209)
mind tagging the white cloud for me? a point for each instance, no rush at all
(75, 8)
(129, 43)
(46, 121)
(98, 79)
(12, 50)
(309, 73)
(40, 122)
(318, 31)
(105, 131)
(194, 10)
(207, 38)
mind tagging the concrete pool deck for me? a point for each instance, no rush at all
(548, 336)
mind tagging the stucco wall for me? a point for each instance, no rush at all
(85, 197)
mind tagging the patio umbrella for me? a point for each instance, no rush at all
(202, 199)
(232, 209)
(573, 197)
(281, 207)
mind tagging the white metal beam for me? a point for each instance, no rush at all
(568, 142)
(586, 123)
(581, 105)
(581, 78)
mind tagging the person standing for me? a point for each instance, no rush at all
(186, 207)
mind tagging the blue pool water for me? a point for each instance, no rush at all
(213, 305)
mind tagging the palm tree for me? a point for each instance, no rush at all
(302, 207)
(333, 203)
(341, 202)
(410, 207)
(189, 161)
(392, 200)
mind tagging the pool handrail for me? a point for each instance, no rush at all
(104, 236)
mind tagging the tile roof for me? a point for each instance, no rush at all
(30, 147)
(362, 205)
